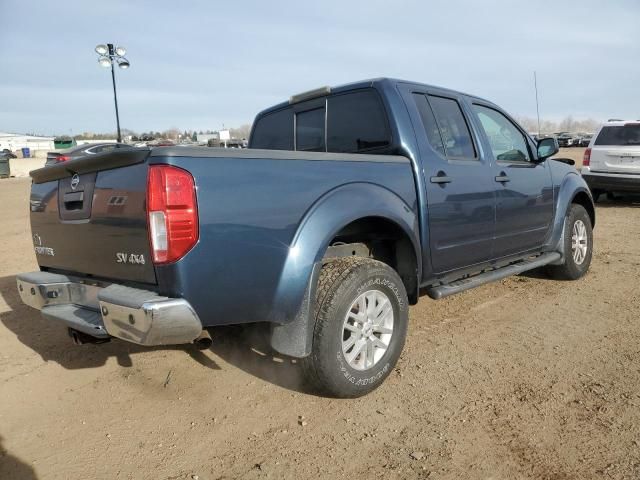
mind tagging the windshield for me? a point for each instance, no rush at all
(620, 135)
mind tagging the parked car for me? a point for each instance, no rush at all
(349, 203)
(565, 140)
(611, 163)
(81, 151)
(585, 140)
(161, 142)
(581, 138)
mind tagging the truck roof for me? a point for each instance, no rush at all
(322, 91)
(619, 123)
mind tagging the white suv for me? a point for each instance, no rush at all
(612, 161)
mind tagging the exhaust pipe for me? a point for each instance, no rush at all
(203, 341)
(80, 338)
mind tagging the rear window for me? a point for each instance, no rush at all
(619, 135)
(310, 130)
(356, 122)
(274, 131)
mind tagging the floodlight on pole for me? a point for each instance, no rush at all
(108, 55)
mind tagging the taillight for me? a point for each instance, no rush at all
(172, 213)
(62, 158)
(586, 160)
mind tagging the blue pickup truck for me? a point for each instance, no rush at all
(349, 203)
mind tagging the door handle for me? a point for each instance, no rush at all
(73, 197)
(441, 177)
(502, 178)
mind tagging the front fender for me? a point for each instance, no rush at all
(295, 294)
(572, 184)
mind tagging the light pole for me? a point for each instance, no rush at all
(108, 54)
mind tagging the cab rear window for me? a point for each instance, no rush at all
(356, 122)
(619, 135)
(310, 130)
(274, 131)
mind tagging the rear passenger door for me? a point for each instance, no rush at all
(459, 183)
(524, 192)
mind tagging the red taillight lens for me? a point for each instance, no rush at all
(586, 160)
(172, 213)
(63, 158)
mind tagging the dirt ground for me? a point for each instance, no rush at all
(527, 378)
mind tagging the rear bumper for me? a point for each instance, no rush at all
(612, 182)
(131, 314)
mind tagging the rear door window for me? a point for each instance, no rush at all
(274, 131)
(429, 123)
(453, 128)
(310, 130)
(619, 135)
(356, 122)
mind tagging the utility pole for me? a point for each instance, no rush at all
(115, 95)
(535, 83)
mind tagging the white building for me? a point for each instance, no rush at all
(14, 141)
(203, 138)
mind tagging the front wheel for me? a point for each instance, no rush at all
(578, 245)
(360, 327)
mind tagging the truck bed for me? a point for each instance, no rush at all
(250, 205)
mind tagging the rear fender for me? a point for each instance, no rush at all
(295, 296)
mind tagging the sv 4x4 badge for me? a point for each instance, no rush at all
(130, 258)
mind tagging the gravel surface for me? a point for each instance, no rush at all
(527, 378)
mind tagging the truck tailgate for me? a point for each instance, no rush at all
(88, 216)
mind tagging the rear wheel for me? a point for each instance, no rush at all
(578, 245)
(360, 327)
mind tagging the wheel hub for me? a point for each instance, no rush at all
(367, 329)
(579, 242)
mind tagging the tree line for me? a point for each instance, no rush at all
(567, 124)
(171, 134)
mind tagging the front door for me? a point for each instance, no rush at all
(524, 192)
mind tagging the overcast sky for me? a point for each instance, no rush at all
(199, 65)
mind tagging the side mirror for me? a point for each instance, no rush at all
(547, 147)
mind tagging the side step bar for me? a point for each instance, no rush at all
(458, 286)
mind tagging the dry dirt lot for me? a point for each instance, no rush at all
(527, 378)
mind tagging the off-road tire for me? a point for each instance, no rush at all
(569, 269)
(341, 281)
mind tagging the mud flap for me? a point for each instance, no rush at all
(560, 248)
(296, 338)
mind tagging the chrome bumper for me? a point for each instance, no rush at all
(131, 314)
